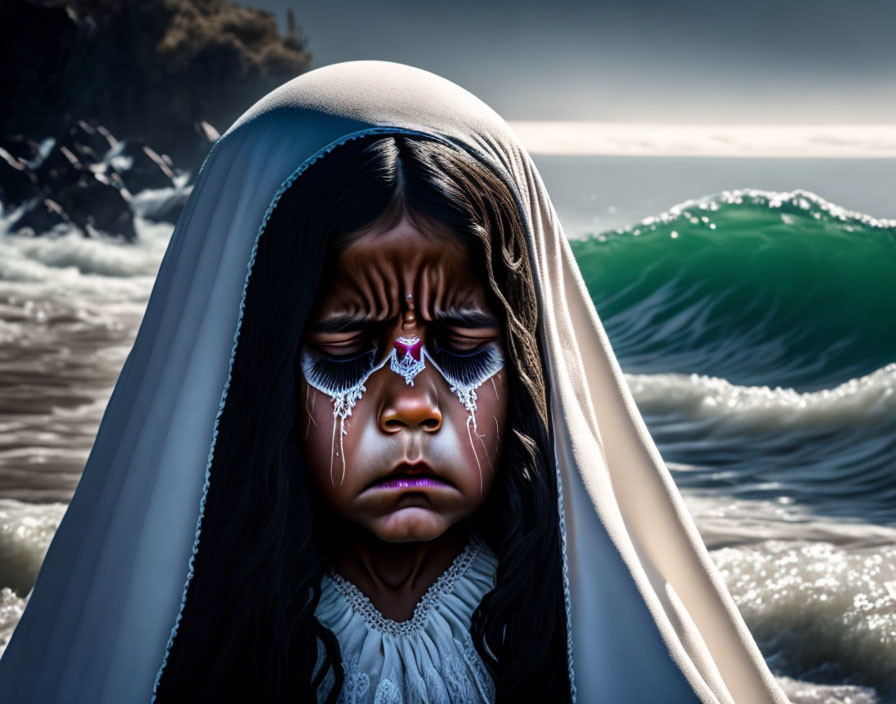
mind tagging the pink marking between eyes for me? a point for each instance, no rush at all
(409, 345)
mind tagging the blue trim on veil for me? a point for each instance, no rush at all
(567, 599)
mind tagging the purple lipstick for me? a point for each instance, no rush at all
(409, 483)
(410, 476)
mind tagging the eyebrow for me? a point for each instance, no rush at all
(466, 319)
(343, 323)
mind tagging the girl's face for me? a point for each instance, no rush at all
(404, 390)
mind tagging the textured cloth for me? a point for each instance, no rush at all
(650, 618)
(428, 658)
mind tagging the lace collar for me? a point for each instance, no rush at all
(442, 587)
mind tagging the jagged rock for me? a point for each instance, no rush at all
(17, 183)
(90, 204)
(42, 217)
(88, 143)
(60, 166)
(152, 68)
(85, 179)
(94, 204)
(18, 146)
(115, 179)
(139, 166)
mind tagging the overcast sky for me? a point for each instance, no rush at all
(697, 61)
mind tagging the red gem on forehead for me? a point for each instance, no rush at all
(409, 345)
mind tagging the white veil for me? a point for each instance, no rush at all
(650, 618)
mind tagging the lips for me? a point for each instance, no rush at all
(407, 476)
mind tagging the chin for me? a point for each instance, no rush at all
(408, 525)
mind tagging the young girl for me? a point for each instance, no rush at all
(372, 444)
(383, 450)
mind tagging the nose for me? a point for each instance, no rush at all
(412, 408)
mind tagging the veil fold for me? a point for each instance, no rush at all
(649, 616)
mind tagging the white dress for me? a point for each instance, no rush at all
(430, 657)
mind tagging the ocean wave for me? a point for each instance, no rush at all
(757, 287)
(867, 399)
(11, 607)
(821, 613)
(68, 264)
(831, 451)
(25, 534)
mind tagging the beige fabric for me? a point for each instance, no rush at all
(650, 620)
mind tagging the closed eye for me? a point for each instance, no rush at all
(464, 336)
(342, 350)
(336, 376)
(468, 369)
(462, 345)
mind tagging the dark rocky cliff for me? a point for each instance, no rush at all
(151, 69)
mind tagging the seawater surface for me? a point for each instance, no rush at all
(757, 333)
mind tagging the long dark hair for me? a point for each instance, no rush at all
(248, 630)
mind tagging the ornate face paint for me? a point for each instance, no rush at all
(465, 372)
(407, 358)
(342, 379)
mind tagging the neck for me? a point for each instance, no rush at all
(394, 576)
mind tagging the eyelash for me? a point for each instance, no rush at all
(468, 369)
(336, 375)
(463, 368)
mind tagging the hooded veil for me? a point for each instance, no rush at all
(649, 616)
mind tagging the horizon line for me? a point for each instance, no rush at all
(591, 138)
